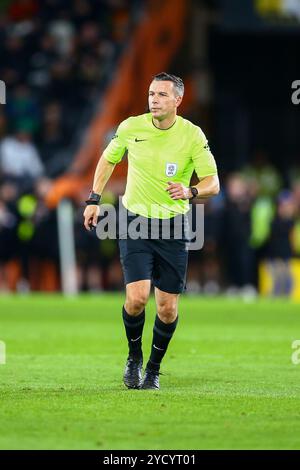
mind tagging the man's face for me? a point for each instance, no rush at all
(163, 100)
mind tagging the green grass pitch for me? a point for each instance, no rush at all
(228, 383)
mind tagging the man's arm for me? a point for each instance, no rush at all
(207, 187)
(103, 172)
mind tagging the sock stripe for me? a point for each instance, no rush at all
(133, 325)
(163, 333)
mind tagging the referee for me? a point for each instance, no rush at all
(163, 151)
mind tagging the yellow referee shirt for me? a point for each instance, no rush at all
(156, 156)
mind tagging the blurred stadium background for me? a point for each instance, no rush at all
(74, 69)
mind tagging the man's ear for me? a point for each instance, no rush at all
(178, 100)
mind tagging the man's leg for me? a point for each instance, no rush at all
(164, 327)
(137, 294)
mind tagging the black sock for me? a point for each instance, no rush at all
(162, 334)
(134, 329)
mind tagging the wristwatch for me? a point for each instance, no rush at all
(93, 199)
(194, 192)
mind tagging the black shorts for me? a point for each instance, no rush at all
(162, 261)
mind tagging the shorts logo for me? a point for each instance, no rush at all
(171, 169)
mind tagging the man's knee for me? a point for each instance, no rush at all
(136, 300)
(167, 311)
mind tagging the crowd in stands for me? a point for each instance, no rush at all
(56, 58)
(255, 217)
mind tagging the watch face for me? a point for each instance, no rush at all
(194, 191)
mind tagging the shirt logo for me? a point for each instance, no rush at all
(139, 140)
(171, 169)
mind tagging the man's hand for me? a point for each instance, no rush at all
(90, 215)
(178, 191)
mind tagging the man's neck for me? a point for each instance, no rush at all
(164, 123)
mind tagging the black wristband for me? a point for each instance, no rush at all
(93, 199)
(194, 192)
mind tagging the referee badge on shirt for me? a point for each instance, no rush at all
(171, 169)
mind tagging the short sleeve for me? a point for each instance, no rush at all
(115, 150)
(202, 157)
